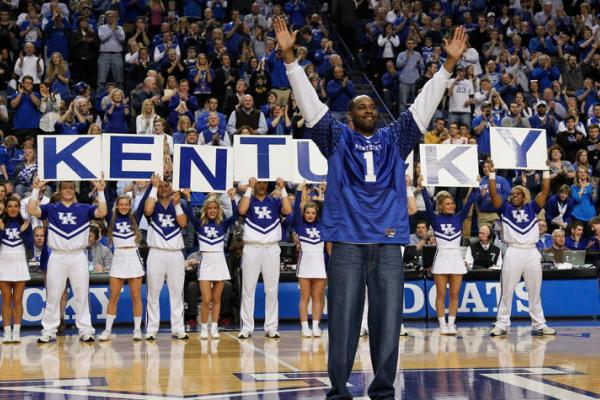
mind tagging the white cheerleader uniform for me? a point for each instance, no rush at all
(211, 240)
(448, 235)
(126, 262)
(13, 260)
(311, 261)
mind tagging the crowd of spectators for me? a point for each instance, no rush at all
(201, 72)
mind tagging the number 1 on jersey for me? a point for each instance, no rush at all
(370, 176)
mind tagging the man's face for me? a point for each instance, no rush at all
(363, 114)
(570, 124)
(29, 49)
(440, 125)
(484, 234)
(559, 240)
(247, 102)
(514, 109)
(517, 198)
(410, 44)
(38, 238)
(541, 109)
(338, 73)
(213, 104)
(213, 120)
(421, 230)
(577, 231)
(543, 226)
(91, 240)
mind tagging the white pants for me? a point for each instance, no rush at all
(72, 265)
(165, 264)
(526, 263)
(257, 259)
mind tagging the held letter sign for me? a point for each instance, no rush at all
(449, 165)
(264, 157)
(132, 157)
(202, 168)
(519, 148)
(69, 157)
(311, 165)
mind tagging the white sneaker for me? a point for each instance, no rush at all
(137, 335)
(105, 335)
(16, 337)
(180, 335)
(538, 332)
(316, 332)
(244, 335)
(444, 329)
(272, 335)
(7, 338)
(151, 336)
(215, 333)
(496, 331)
(45, 338)
(403, 331)
(364, 331)
(86, 338)
(204, 334)
(306, 332)
(451, 330)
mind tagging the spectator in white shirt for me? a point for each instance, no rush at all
(29, 64)
(460, 93)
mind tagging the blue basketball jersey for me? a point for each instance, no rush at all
(366, 187)
(164, 231)
(12, 239)
(123, 234)
(519, 225)
(262, 223)
(68, 227)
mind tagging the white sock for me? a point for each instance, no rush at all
(109, 321)
(204, 327)
(304, 325)
(442, 320)
(451, 319)
(315, 325)
(214, 326)
(17, 328)
(137, 323)
(7, 330)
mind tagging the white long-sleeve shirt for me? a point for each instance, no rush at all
(29, 67)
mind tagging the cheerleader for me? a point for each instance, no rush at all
(312, 276)
(15, 234)
(448, 265)
(125, 236)
(211, 228)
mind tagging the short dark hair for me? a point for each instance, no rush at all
(95, 231)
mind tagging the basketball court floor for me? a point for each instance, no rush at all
(469, 366)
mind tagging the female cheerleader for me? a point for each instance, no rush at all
(448, 266)
(15, 234)
(211, 228)
(125, 236)
(312, 276)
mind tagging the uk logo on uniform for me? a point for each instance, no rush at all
(313, 233)
(12, 233)
(166, 220)
(210, 232)
(262, 212)
(123, 227)
(520, 216)
(67, 218)
(448, 229)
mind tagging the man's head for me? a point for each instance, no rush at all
(66, 189)
(558, 238)
(247, 102)
(363, 114)
(213, 120)
(213, 104)
(515, 110)
(38, 236)
(577, 229)
(93, 236)
(421, 229)
(485, 234)
(541, 108)
(563, 192)
(519, 195)
(543, 226)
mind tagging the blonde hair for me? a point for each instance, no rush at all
(114, 92)
(211, 198)
(440, 198)
(144, 113)
(182, 119)
(132, 221)
(60, 69)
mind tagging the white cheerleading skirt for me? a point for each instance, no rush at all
(126, 264)
(448, 261)
(311, 265)
(13, 267)
(213, 267)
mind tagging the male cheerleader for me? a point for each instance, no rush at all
(68, 231)
(520, 231)
(262, 233)
(165, 258)
(365, 214)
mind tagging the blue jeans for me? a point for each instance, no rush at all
(351, 267)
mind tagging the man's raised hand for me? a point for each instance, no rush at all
(455, 47)
(285, 39)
